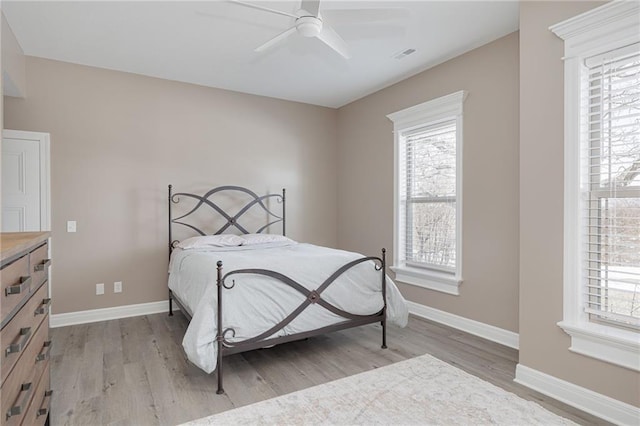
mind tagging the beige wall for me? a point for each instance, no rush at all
(14, 77)
(543, 345)
(489, 293)
(118, 139)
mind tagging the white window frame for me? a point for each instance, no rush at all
(405, 121)
(611, 26)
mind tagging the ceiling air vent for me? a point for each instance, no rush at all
(403, 54)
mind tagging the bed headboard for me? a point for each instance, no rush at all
(250, 199)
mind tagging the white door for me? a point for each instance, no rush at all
(25, 181)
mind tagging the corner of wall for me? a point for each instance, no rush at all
(14, 69)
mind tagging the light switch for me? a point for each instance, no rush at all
(71, 226)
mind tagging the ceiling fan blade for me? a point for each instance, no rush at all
(265, 9)
(311, 6)
(331, 38)
(276, 40)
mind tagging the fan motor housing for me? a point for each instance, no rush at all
(309, 26)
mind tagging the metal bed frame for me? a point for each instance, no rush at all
(226, 347)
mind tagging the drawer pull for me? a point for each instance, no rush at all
(44, 353)
(25, 334)
(44, 307)
(26, 389)
(42, 266)
(46, 402)
(25, 282)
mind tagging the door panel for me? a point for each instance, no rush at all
(21, 182)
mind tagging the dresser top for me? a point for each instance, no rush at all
(13, 243)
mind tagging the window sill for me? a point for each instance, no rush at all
(609, 344)
(433, 280)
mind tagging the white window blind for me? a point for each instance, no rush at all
(610, 167)
(428, 204)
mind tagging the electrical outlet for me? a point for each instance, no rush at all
(71, 226)
(117, 287)
(99, 289)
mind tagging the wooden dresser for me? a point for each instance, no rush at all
(25, 389)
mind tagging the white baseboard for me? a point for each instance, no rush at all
(486, 331)
(105, 314)
(599, 405)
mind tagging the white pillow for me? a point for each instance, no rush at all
(225, 240)
(252, 239)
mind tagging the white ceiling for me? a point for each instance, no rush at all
(211, 43)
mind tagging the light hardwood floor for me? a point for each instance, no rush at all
(133, 371)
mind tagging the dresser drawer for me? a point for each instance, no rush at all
(15, 337)
(16, 284)
(19, 387)
(39, 261)
(41, 402)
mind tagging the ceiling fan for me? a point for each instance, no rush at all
(308, 23)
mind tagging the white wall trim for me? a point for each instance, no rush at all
(429, 111)
(584, 399)
(609, 344)
(480, 329)
(105, 314)
(598, 30)
(432, 280)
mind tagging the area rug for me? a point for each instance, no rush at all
(422, 390)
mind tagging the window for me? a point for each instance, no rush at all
(428, 193)
(611, 187)
(602, 183)
(428, 196)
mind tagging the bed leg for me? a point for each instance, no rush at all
(170, 304)
(220, 336)
(384, 334)
(220, 388)
(384, 298)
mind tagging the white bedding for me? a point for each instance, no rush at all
(256, 303)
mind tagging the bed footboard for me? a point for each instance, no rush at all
(226, 347)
